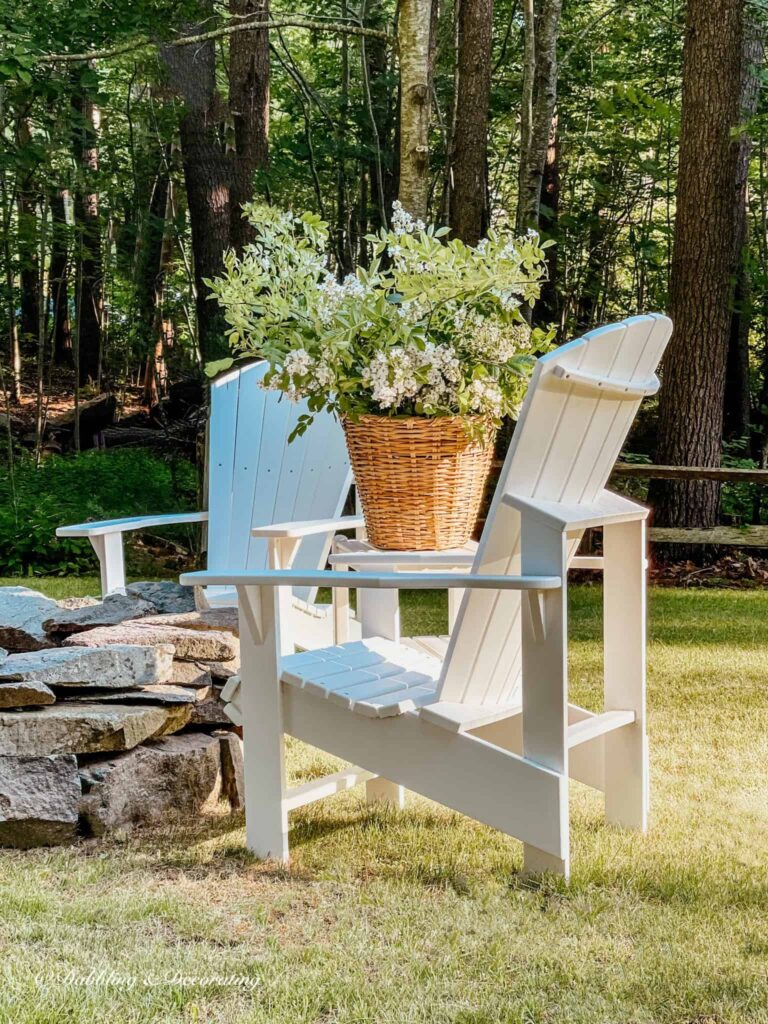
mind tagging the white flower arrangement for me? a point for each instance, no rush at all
(433, 328)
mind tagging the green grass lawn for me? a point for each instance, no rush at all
(421, 916)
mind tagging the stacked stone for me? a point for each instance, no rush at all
(110, 714)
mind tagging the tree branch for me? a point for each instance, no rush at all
(226, 30)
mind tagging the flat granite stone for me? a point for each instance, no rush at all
(73, 727)
(119, 667)
(25, 693)
(22, 612)
(223, 670)
(190, 673)
(171, 779)
(223, 619)
(189, 644)
(114, 609)
(39, 800)
(210, 713)
(167, 596)
(164, 696)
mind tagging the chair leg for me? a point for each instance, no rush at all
(266, 816)
(624, 623)
(538, 862)
(109, 550)
(382, 791)
(545, 685)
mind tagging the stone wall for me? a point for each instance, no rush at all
(110, 712)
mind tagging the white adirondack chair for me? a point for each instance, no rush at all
(255, 478)
(488, 731)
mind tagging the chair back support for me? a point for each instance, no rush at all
(255, 477)
(571, 429)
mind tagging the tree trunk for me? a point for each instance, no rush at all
(249, 106)
(58, 282)
(150, 261)
(539, 99)
(736, 410)
(88, 294)
(467, 186)
(192, 73)
(413, 33)
(704, 254)
(548, 309)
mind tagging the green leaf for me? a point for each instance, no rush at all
(218, 366)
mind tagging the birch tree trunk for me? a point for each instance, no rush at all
(467, 198)
(704, 255)
(413, 34)
(542, 24)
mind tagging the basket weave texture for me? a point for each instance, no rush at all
(420, 480)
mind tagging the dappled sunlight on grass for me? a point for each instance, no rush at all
(421, 915)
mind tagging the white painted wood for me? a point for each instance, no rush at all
(467, 717)
(131, 523)
(476, 778)
(545, 674)
(379, 613)
(624, 625)
(328, 785)
(308, 528)
(370, 581)
(266, 816)
(567, 516)
(359, 700)
(382, 791)
(598, 725)
(255, 478)
(109, 551)
(606, 385)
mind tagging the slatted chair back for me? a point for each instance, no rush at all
(255, 477)
(571, 429)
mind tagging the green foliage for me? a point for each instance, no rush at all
(35, 500)
(433, 327)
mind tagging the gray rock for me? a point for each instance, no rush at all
(170, 779)
(210, 712)
(25, 694)
(190, 673)
(78, 602)
(22, 612)
(164, 696)
(232, 772)
(189, 644)
(223, 619)
(223, 670)
(39, 798)
(73, 727)
(114, 609)
(120, 667)
(167, 596)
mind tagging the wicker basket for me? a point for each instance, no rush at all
(420, 480)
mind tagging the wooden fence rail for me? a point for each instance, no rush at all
(733, 536)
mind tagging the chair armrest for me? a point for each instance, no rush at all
(132, 523)
(562, 515)
(308, 527)
(368, 580)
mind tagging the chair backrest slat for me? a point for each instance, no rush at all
(565, 445)
(256, 477)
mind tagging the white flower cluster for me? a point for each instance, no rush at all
(402, 222)
(485, 397)
(430, 375)
(332, 295)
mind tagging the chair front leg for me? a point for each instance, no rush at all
(109, 551)
(266, 816)
(624, 626)
(545, 683)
